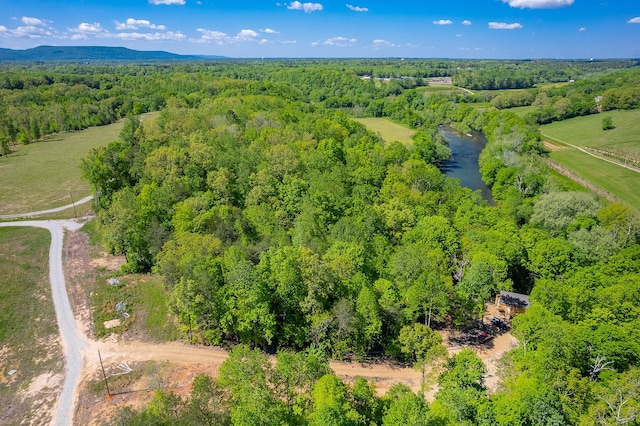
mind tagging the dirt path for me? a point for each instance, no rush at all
(81, 351)
(72, 340)
(43, 212)
(113, 353)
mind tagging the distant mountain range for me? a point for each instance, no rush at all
(92, 53)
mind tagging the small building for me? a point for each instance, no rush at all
(512, 303)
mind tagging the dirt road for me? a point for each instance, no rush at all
(81, 351)
(43, 212)
(72, 341)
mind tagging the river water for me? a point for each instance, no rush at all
(463, 164)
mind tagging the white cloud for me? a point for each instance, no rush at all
(247, 35)
(635, 20)
(86, 28)
(220, 38)
(504, 26)
(340, 41)
(581, 29)
(466, 22)
(539, 4)
(169, 35)
(32, 21)
(357, 8)
(28, 31)
(270, 31)
(307, 7)
(315, 43)
(167, 2)
(379, 44)
(134, 24)
(443, 22)
(208, 36)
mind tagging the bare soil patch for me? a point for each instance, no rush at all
(552, 146)
(108, 262)
(80, 274)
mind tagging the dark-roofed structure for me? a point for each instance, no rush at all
(512, 303)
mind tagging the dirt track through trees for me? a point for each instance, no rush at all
(81, 352)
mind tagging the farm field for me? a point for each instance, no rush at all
(388, 130)
(587, 131)
(521, 111)
(46, 174)
(621, 182)
(31, 355)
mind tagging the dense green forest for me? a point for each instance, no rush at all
(281, 224)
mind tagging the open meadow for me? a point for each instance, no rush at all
(46, 174)
(587, 131)
(521, 111)
(388, 130)
(31, 363)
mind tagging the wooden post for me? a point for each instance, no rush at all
(106, 384)
(73, 203)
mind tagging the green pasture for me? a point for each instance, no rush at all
(621, 182)
(29, 339)
(521, 111)
(551, 85)
(45, 175)
(497, 92)
(587, 131)
(388, 130)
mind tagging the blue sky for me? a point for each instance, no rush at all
(359, 28)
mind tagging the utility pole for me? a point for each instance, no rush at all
(106, 384)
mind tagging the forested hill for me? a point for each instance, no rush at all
(85, 53)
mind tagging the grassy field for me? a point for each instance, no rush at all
(621, 182)
(46, 174)
(587, 131)
(521, 111)
(29, 341)
(388, 130)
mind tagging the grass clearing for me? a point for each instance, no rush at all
(521, 111)
(145, 301)
(29, 338)
(587, 131)
(621, 182)
(45, 175)
(388, 130)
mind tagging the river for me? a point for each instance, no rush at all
(463, 164)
